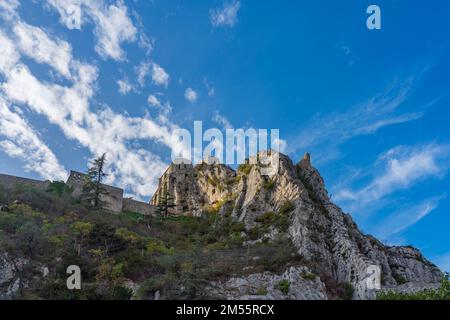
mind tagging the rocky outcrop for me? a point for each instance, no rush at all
(10, 281)
(296, 283)
(195, 189)
(296, 198)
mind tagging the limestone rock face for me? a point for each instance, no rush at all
(266, 286)
(324, 236)
(9, 280)
(195, 188)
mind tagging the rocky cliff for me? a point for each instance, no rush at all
(295, 203)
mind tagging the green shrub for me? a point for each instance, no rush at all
(59, 188)
(283, 286)
(129, 236)
(399, 278)
(244, 168)
(442, 293)
(270, 218)
(287, 208)
(308, 276)
(132, 216)
(237, 227)
(121, 293)
(266, 218)
(254, 233)
(269, 184)
(155, 283)
(262, 291)
(155, 246)
(348, 291)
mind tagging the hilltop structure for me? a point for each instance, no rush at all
(195, 188)
(113, 200)
(294, 203)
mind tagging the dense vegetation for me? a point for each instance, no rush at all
(442, 293)
(176, 256)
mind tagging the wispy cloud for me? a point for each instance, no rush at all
(209, 87)
(391, 227)
(443, 262)
(324, 134)
(35, 43)
(397, 169)
(112, 23)
(125, 86)
(221, 120)
(159, 76)
(164, 109)
(225, 16)
(19, 140)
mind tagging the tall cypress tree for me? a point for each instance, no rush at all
(93, 188)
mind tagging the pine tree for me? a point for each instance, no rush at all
(93, 188)
(165, 202)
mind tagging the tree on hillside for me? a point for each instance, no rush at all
(93, 188)
(165, 202)
(82, 231)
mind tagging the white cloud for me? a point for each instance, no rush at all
(164, 109)
(225, 16)
(103, 132)
(443, 262)
(112, 24)
(221, 120)
(35, 43)
(398, 169)
(153, 101)
(405, 218)
(69, 108)
(142, 71)
(8, 8)
(324, 134)
(19, 140)
(8, 53)
(159, 75)
(125, 86)
(209, 87)
(190, 95)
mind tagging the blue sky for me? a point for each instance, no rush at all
(371, 106)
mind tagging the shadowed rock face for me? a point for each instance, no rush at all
(325, 236)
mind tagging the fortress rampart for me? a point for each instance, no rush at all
(113, 200)
(12, 182)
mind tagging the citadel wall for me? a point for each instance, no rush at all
(113, 200)
(138, 206)
(12, 182)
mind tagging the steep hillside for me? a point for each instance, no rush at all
(295, 203)
(229, 235)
